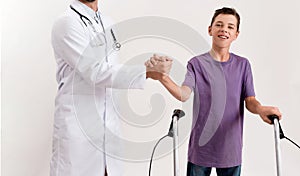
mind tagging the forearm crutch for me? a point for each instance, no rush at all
(173, 132)
(279, 135)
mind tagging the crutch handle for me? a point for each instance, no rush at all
(273, 117)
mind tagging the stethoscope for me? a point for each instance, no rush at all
(116, 45)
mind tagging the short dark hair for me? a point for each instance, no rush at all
(227, 11)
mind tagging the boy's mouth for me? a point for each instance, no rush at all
(223, 37)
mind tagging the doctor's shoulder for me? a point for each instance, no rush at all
(65, 24)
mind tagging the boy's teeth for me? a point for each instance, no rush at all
(223, 37)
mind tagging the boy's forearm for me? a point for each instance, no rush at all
(178, 92)
(264, 111)
(253, 105)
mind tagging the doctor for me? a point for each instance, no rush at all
(86, 129)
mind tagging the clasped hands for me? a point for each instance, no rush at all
(157, 67)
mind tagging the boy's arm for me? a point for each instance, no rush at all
(181, 93)
(255, 107)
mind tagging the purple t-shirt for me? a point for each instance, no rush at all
(220, 89)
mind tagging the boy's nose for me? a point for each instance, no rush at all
(224, 30)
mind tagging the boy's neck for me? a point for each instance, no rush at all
(220, 54)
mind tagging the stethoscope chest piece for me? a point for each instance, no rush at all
(117, 46)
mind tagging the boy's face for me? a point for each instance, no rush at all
(223, 30)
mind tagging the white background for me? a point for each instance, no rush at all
(269, 38)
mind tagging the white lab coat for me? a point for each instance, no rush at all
(86, 131)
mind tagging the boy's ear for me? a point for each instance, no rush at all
(209, 31)
(237, 34)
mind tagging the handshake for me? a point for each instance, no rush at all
(157, 67)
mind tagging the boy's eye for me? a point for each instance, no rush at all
(218, 25)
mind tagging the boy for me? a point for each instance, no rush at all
(222, 82)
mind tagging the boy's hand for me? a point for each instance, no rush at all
(265, 111)
(158, 66)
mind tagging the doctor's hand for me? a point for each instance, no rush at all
(157, 67)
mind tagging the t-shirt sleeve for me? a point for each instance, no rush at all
(248, 86)
(190, 77)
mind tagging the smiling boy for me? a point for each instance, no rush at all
(222, 82)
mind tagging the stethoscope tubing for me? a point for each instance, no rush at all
(116, 45)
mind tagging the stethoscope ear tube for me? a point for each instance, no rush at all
(81, 16)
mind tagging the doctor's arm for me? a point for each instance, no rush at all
(254, 106)
(72, 45)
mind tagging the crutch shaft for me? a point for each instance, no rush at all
(175, 146)
(277, 146)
